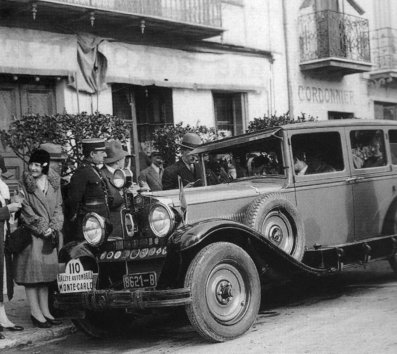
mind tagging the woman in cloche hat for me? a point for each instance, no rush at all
(37, 265)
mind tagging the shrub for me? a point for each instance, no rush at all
(275, 121)
(26, 134)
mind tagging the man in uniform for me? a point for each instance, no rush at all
(87, 190)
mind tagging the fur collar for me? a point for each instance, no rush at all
(30, 182)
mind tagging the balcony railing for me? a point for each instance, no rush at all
(384, 48)
(198, 12)
(330, 34)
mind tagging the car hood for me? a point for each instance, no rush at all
(222, 192)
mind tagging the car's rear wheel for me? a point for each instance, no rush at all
(278, 220)
(226, 292)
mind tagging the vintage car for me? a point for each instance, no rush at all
(306, 199)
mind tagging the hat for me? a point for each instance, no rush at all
(190, 141)
(42, 157)
(114, 151)
(93, 144)
(55, 151)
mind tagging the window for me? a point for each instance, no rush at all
(153, 107)
(384, 110)
(339, 115)
(229, 112)
(317, 153)
(368, 148)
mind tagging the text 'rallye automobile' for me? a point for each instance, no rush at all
(307, 199)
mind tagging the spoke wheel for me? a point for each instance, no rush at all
(225, 289)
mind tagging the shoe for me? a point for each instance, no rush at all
(14, 328)
(39, 324)
(54, 321)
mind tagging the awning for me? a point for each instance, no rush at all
(34, 52)
(148, 65)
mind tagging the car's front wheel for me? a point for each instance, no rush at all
(226, 292)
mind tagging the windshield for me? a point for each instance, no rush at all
(259, 158)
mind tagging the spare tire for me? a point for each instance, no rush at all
(278, 220)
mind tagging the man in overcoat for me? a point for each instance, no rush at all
(115, 158)
(152, 175)
(87, 189)
(187, 167)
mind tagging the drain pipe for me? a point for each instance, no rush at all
(287, 62)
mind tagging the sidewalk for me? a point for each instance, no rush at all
(19, 313)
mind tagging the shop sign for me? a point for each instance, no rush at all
(314, 94)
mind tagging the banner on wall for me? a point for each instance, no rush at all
(34, 52)
(144, 65)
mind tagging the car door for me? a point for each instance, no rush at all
(323, 192)
(374, 182)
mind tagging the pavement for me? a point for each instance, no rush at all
(19, 313)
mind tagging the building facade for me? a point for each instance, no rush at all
(341, 58)
(151, 62)
(217, 63)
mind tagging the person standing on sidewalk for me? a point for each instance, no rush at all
(37, 265)
(6, 282)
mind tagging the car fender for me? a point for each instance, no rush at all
(204, 232)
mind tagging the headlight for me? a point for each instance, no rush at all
(122, 178)
(161, 220)
(94, 229)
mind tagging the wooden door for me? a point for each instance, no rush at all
(17, 99)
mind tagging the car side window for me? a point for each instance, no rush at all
(393, 146)
(316, 153)
(368, 148)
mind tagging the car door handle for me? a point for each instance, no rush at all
(354, 179)
(351, 179)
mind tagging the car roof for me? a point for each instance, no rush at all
(243, 139)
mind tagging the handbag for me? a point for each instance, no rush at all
(18, 240)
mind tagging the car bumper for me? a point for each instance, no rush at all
(99, 300)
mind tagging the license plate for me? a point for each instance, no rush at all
(139, 280)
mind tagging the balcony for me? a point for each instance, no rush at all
(334, 43)
(384, 53)
(192, 19)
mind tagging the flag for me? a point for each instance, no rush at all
(182, 200)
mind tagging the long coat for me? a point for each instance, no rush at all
(115, 199)
(38, 262)
(171, 173)
(150, 176)
(4, 217)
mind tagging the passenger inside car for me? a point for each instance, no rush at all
(317, 164)
(367, 148)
